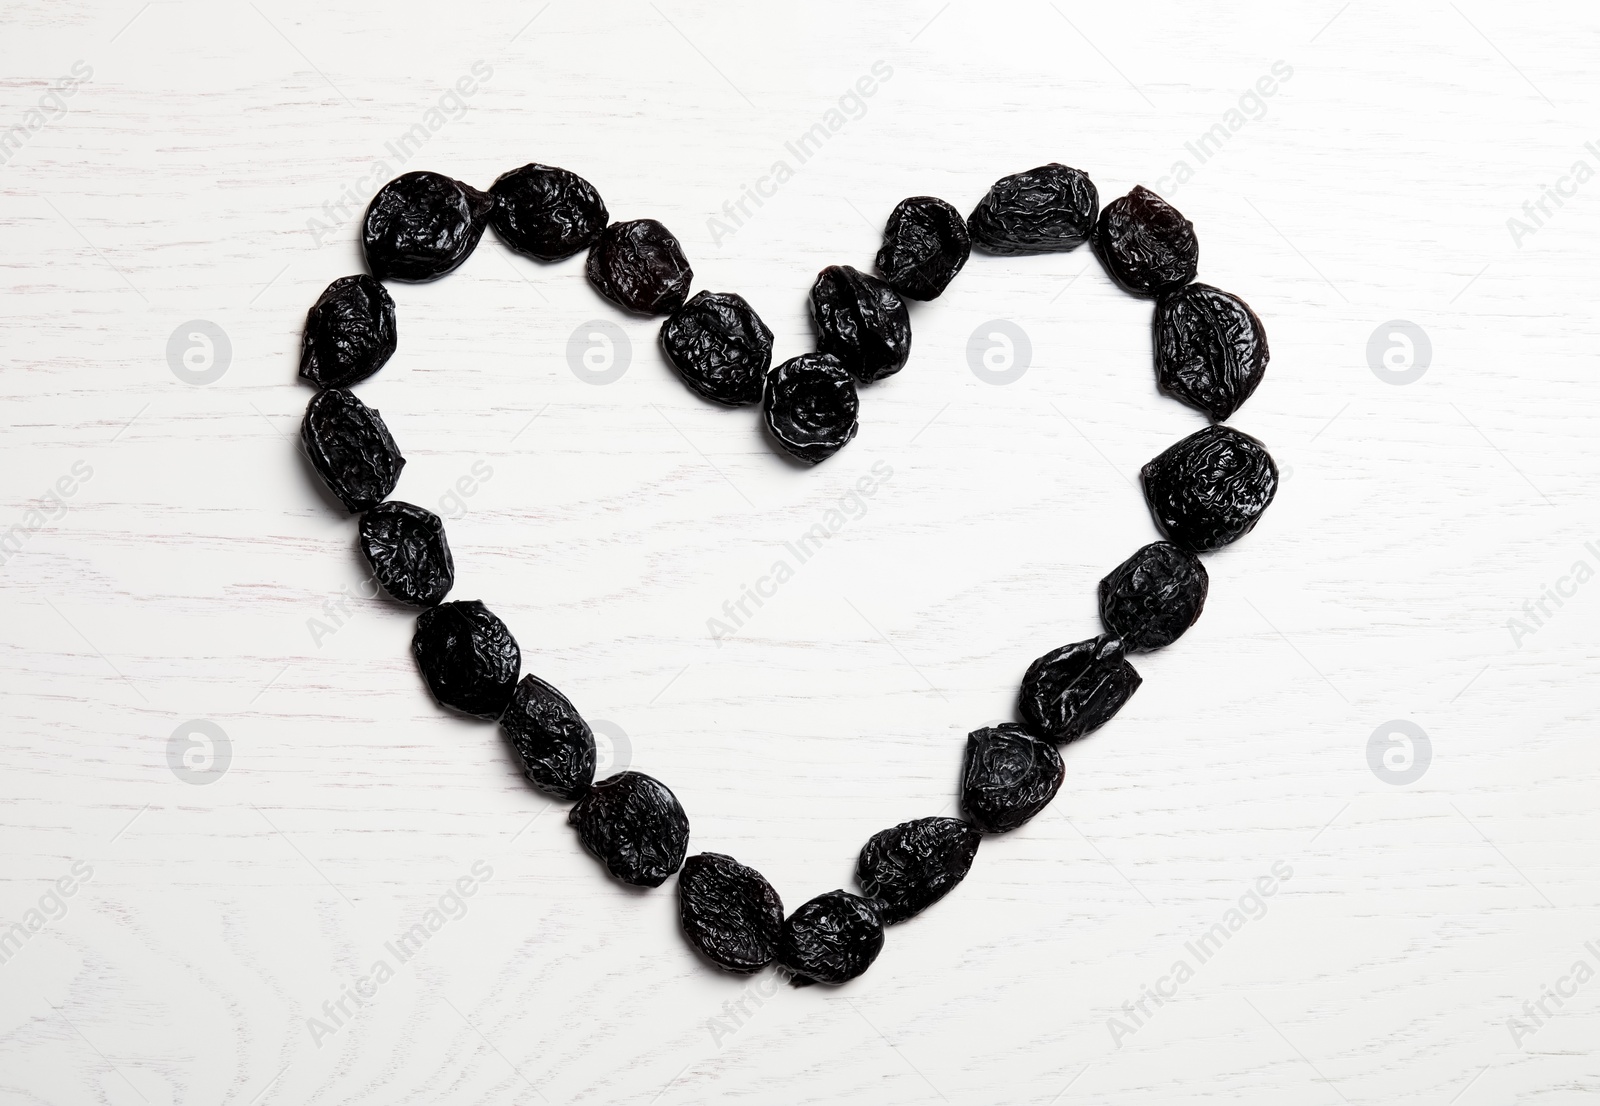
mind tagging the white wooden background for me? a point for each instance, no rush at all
(223, 906)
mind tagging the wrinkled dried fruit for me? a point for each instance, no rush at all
(1211, 350)
(810, 406)
(350, 448)
(639, 266)
(1210, 488)
(635, 826)
(1074, 690)
(546, 212)
(906, 869)
(1151, 598)
(730, 913)
(832, 939)
(350, 333)
(1008, 776)
(420, 226)
(1145, 243)
(925, 243)
(552, 740)
(861, 321)
(406, 548)
(1041, 211)
(720, 347)
(468, 657)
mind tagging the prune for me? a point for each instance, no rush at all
(546, 212)
(468, 657)
(420, 226)
(1211, 350)
(1210, 489)
(350, 333)
(406, 548)
(730, 913)
(1044, 210)
(810, 406)
(720, 347)
(925, 243)
(635, 826)
(350, 448)
(552, 740)
(861, 321)
(1008, 776)
(640, 267)
(1145, 243)
(1074, 690)
(1151, 598)
(908, 868)
(832, 939)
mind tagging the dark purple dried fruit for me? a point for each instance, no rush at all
(1210, 489)
(350, 333)
(552, 740)
(468, 657)
(810, 406)
(1211, 350)
(925, 244)
(1008, 776)
(1044, 210)
(861, 321)
(720, 347)
(350, 448)
(1145, 243)
(1074, 690)
(906, 869)
(546, 212)
(1151, 598)
(730, 913)
(406, 548)
(420, 226)
(635, 826)
(832, 939)
(640, 267)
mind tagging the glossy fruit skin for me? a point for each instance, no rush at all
(730, 914)
(423, 225)
(640, 267)
(1211, 349)
(1045, 210)
(1072, 691)
(1146, 244)
(350, 333)
(909, 867)
(468, 657)
(1210, 488)
(832, 939)
(861, 321)
(925, 244)
(407, 551)
(547, 212)
(1151, 598)
(810, 406)
(351, 449)
(720, 347)
(551, 739)
(635, 826)
(1008, 776)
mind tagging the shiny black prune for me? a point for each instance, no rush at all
(422, 225)
(1044, 210)
(861, 321)
(720, 347)
(810, 406)
(551, 739)
(635, 826)
(1074, 690)
(925, 244)
(1145, 243)
(468, 657)
(406, 548)
(906, 869)
(832, 939)
(546, 212)
(1210, 488)
(640, 267)
(1211, 350)
(730, 914)
(350, 448)
(1151, 598)
(1008, 776)
(350, 333)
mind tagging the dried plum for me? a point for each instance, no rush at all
(1151, 598)
(546, 212)
(409, 556)
(730, 913)
(861, 321)
(635, 826)
(640, 267)
(832, 939)
(1044, 210)
(810, 406)
(1008, 776)
(468, 657)
(1211, 350)
(1210, 489)
(906, 869)
(720, 347)
(1074, 690)
(925, 244)
(551, 739)
(350, 333)
(1145, 243)
(422, 225)
(350, 448)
